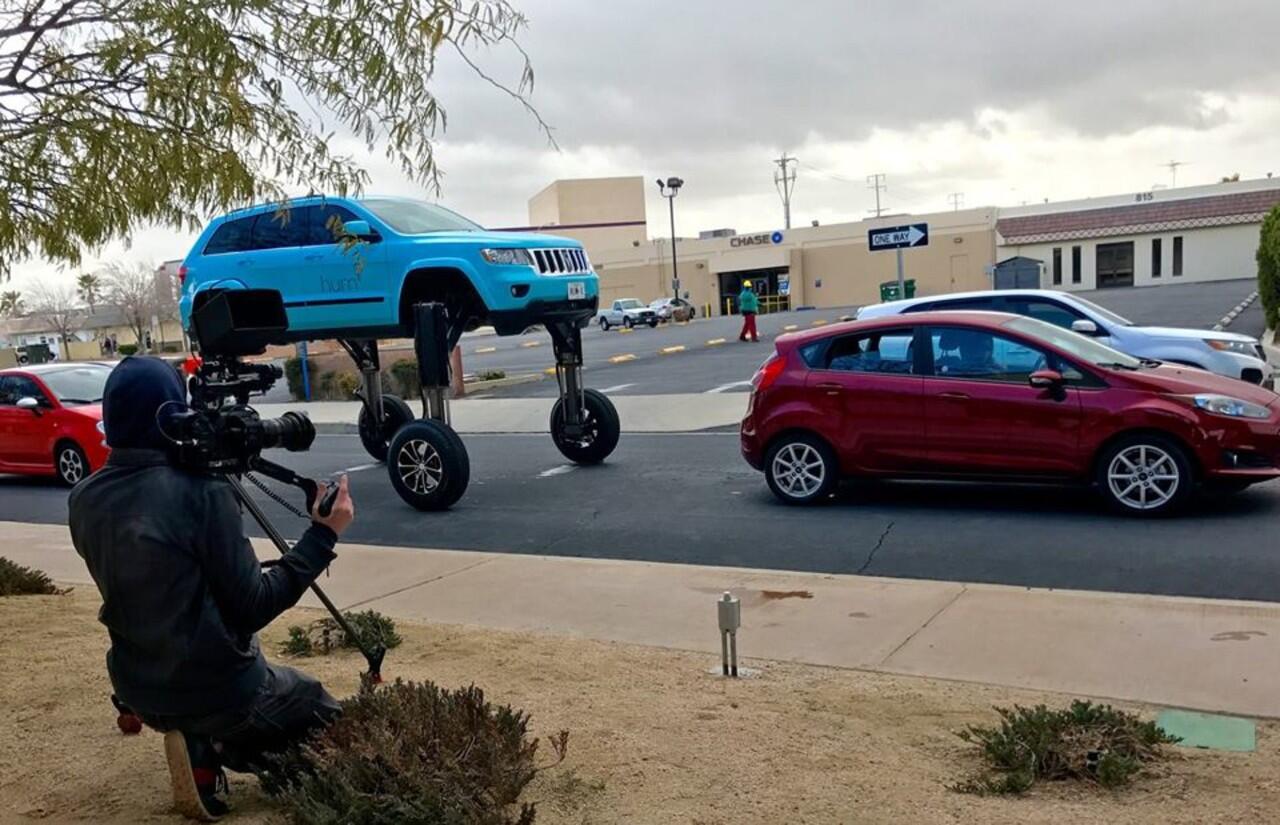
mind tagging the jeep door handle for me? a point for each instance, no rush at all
(954, 396)
(830, 388)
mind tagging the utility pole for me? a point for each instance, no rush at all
(1172, 166)
(877, 183)
(786, 183)
(957, 200)
(669, 189)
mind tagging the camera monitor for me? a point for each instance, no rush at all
(240, 322)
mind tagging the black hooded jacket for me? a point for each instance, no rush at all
(182, 591)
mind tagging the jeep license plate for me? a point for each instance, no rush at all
(577, 290)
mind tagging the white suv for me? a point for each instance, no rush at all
(1226, 353)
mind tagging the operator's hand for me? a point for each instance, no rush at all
(344, 509)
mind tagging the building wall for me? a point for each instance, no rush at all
(599, 213)
(1208, 254)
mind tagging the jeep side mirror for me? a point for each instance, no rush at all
(28, 403)
(1045, 379)
(1084, 327)
(361, 230)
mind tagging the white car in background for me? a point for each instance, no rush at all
(1226, 353)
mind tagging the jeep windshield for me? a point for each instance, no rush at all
(418, 218)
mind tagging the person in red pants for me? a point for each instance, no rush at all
(748, 305)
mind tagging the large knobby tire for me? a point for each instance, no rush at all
(601, 430)
(70, 464)
(801, 469)
(428, 465)
(395, 414)
(1145, 474)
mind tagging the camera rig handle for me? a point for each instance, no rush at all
(373, 653)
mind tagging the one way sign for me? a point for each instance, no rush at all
(898, 237)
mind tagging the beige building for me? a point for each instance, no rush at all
(818, 266)
(601, 213)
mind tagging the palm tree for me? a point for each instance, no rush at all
(89, 287)
(11, 303)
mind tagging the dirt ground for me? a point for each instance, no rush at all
(655, 738)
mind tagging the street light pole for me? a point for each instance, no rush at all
(669, 189)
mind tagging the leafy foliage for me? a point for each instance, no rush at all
(11, 303)
(293, 375)
(16, 580)
(405, 379)
(325, 635)
(116, 114)
(491, 375)
(1093, 743)
(413, 753)
(1268, 258)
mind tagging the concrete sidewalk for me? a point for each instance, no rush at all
(639, 413)
(1195, 653)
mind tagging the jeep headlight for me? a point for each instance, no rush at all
(1231, 407)
(510, 257)
(1240, 347)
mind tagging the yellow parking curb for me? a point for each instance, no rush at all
(821, 322)
(790, 327)
(625, 330)
(528, 344)
(847, 318)
(715, 342)
(549, 371)
(618, 359)
(483, 350)
(672, 350)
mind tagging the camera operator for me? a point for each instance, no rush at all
(183, 595)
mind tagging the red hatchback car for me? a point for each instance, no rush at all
(51, 420)
(994, 396)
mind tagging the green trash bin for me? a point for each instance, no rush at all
(889, 289)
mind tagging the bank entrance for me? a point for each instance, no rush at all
(768, 283)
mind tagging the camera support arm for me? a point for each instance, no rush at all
(373, 654)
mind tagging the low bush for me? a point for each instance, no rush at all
(16, 580)
(1086, 742)
(490, 375)
(404, 378)
(324, 636)
(346, 385)
(127, 349)
(293, 376)
(417, 754)
(1268, 258)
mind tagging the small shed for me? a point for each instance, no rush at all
(1018, 272)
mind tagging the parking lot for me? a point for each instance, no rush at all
(689, 497)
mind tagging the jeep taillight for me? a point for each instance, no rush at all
(182, 276)
(768, 373)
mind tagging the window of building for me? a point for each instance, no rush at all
(1156, 256)
(1057, 265)
(1177, 256)
(1075, 264)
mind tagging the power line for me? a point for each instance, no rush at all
(785, 182)
(956, 200)
(824, 173)
(877, 182)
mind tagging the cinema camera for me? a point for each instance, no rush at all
(220, 433)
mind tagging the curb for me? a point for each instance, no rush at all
(348, 428)
(1226, 320)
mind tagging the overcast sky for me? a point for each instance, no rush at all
(1007, 102)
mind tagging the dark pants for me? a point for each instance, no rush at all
(289, 705)
(748, 327)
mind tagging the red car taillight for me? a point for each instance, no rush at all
(182, 275)
(768, 373)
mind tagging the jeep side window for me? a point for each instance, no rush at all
(272, 231)
(232, 236)
(327, 221)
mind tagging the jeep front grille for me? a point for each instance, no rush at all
(566, 261)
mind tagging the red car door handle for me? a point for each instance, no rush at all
(829, 388)
(957, 396)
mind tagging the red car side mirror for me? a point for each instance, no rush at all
(1045, 379)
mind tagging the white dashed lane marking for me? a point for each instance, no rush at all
(618, 388)
(558, 471)
(727, 387)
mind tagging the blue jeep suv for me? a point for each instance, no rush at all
(358, 270)
(410, 252)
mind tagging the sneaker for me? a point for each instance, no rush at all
(196, 777)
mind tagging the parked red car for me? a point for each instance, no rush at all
(51, 420)
(996, 396)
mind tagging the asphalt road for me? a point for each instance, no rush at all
(690, 498)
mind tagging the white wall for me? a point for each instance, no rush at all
(1216, 253)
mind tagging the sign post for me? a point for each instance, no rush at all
(898, 238)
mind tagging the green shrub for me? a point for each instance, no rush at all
(1268, 258)
(404, 377)
(1093, 743)
(325, 635)
(346, 385)
(293, 376)
(127, 349)
(16, 580)
(491, 375)
(413, 753)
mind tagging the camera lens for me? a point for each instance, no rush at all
(293, 431)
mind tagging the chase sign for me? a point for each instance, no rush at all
(759, 239)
